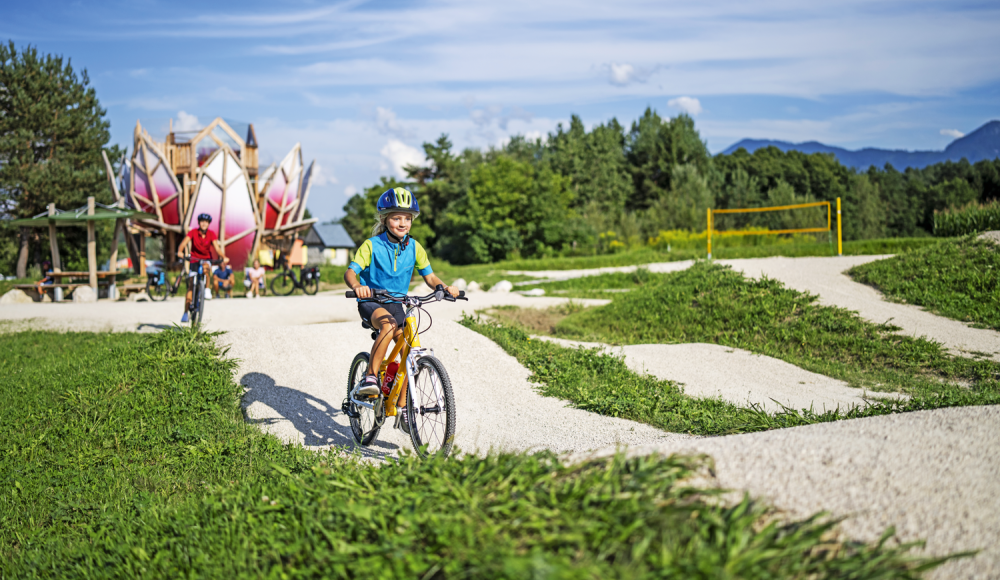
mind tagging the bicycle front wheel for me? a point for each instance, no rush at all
(198, 302)
(430, 409)
(365, 426)
(283, 285)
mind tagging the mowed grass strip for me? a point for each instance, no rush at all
(127, 456)
(958, 279)
(712, 303)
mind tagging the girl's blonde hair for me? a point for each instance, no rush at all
(379, 226)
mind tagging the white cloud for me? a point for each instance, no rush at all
(954, 133)
(397, 155)
(689, 105)
(350, 190)
(621, 74)
(186, 122)
(388, 124)
(319, 176)
(535, 135)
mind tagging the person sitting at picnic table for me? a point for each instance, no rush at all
(254, 279)
(222, 280)
(47, 278)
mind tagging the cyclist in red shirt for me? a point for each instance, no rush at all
(202, 241)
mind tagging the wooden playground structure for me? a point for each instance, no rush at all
(211, 170)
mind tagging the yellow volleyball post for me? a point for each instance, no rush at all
(840, 245)
(709, 236)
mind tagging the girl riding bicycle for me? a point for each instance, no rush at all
(202, 241)
(386, 261)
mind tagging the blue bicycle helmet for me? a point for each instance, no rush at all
(205, 217)
(398, 199)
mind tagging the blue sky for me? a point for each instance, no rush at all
(362, 84)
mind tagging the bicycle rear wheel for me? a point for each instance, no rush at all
(283, 284)
(366, 425)
(311, 287)
(157, 292)
(430, 409)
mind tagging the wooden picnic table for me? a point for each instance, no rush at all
(100, 274)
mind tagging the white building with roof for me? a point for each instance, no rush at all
(328, 244)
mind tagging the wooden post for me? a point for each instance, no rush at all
(113, 260)
(53, 242)
(142, 254)
(91, 246)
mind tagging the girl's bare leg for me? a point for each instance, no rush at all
(388, 331)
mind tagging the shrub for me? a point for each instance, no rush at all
(972, 218)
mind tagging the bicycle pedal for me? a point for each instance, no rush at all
(348, 409)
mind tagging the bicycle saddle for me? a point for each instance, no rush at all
(367, 326)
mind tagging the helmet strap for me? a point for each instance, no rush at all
(402, 242)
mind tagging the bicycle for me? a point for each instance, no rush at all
(159, 287)
(417, 374)
(285, 283)
(197, 306)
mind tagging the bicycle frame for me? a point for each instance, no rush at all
(405, 345)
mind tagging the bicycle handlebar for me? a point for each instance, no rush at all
(383, 296)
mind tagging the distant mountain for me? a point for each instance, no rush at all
(983, 143)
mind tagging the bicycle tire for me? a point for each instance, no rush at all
(365, 428)
(283, 285)
(429, 434)
(311, 287)
(199, 302)
(157, 292)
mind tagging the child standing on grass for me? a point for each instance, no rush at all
(386, 262)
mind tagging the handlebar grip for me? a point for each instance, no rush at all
(461, 294)
(375, 292)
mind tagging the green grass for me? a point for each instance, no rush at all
(127, 456)
(489, 274)
(711, 303)
(958, 279)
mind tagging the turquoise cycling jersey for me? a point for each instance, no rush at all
(381, 263)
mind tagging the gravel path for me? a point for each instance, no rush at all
(296, 379)
(934, 475)
(736, 375)
(825, 278)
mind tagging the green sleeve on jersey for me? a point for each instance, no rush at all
(362, 258)
(423, 265)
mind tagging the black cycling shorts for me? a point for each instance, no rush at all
(366, 309)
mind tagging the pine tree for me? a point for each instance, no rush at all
(52, 129)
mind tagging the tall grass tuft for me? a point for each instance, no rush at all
(973, 218)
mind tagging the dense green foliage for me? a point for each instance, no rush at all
(127, 456)
(968, 219)
(711, 303)
(573, 192)
(52, 130)
(960, 280)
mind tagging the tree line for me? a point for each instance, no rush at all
(536, 198)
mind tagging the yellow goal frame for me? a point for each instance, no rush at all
(840, 248)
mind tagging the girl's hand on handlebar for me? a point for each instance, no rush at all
(453, 291)
(363, 292)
